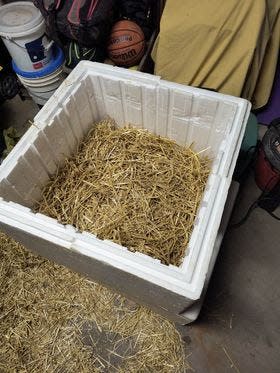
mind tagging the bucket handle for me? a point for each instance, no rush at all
(47, 48)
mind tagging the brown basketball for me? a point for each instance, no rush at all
(126, 43)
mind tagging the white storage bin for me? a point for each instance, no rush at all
(92, 91)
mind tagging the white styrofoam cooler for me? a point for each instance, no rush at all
(214, 122)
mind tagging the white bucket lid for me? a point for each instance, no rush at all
(18, 17)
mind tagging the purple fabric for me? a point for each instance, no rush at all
(272, 109)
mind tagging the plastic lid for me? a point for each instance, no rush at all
(57, 61)
(18, 17)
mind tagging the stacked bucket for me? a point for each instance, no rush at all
(37, 62)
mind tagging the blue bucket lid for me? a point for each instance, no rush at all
(55, 63)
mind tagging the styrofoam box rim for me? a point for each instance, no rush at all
(186, 280)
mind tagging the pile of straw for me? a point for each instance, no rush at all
(129, 186)
(53, 320)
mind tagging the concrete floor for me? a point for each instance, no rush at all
(17, 113)
(239, 326)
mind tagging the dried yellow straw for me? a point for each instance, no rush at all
(129, 186)
(53, 320)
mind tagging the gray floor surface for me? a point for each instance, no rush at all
(239, 326)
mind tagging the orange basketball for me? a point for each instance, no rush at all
(126, 43)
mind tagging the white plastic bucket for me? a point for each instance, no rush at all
(22, 28)
(41, 89)
(41, 84)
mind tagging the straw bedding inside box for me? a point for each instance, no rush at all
(132, 187)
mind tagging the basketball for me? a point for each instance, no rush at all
(126, 43)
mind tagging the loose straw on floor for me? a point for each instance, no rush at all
(129, 186)
(53, 320)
